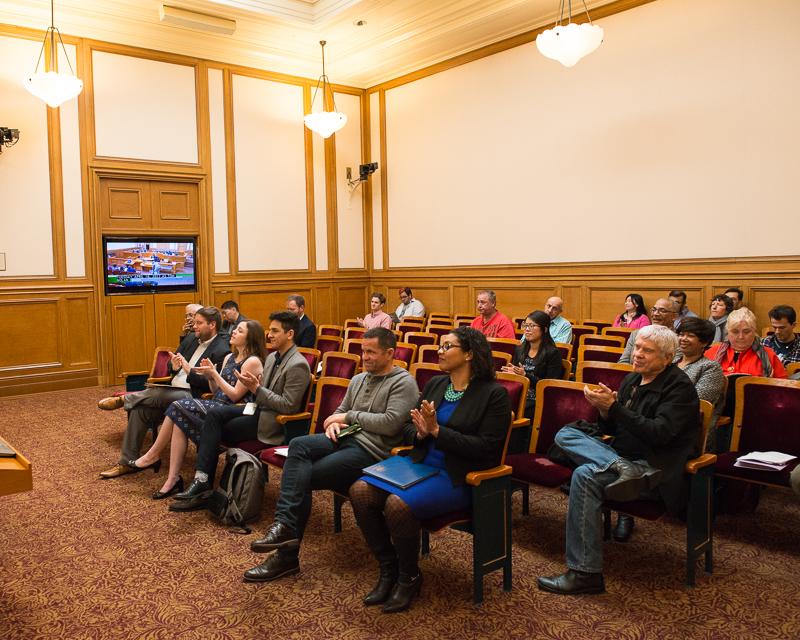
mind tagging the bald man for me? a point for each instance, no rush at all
(560, 328)
(663, 313)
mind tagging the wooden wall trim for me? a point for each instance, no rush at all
(311, 222)
(384, 180)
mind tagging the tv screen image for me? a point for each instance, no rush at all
(149, 265)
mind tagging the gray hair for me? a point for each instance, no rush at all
(742, 315)
(664, 338)
(492, 295)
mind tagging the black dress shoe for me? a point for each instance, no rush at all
(155, 466)
(634, 479)
(384, 586)
(195, 489)
(404, 591)
(192, 504)
(278, 536)
(275, 566)
(624, 529)
(178, 486)
(573, 583)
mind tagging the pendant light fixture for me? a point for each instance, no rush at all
(53, 87)
(569, 42)
(325, 123)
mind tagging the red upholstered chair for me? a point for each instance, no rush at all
(500, 360)
(517, 387)
(558, 403)
(405, 352)
(464, 316)
(354, 332)
(330, 330)
(328, 343)
(420, 338)
(428, 353)
(610, 374)
(565, 349)
(159, 373)
(440, 316)
(699, 529)
(408, 327)
(599, 354)
(463, 322)
(566, 369)
(599, 324)
(504, 345)
(439, 330)
(354, 346)
(423, 372)
(312, 356)
(578, 330)
(351, 322)
(329, 395)
(400, 363)
(593, 340)
(418, 320)
(767, 418)
(622, 332)
(337, 364)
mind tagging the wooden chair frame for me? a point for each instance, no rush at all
(610, 341)
(582, 351)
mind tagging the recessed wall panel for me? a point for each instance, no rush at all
(144, 109)
(270, 175)
(350, 210)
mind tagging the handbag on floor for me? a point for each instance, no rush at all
(239, 497)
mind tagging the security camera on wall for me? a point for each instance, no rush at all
(364, 171)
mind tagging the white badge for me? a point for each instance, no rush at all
(249, 409)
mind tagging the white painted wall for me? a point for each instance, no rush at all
(144, 109)
(270, 175)
(677, 138)
(350, 210)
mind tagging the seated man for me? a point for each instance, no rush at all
(784, 342)
(654, 421)
(409, 306)
(379, 401)
(188, 321)
(490, 322)
(230, 316)
(678, 298)
(146, 408)
(281, 390)
(663, 313)
(560, 328)
(306, 335)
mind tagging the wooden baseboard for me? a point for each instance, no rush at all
(42, 382)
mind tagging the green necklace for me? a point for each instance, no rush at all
(451, 395)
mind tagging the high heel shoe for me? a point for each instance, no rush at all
(178, 486)
(155, 466)
(404, 591)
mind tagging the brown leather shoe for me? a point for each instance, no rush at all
(109, 404)
(116, 471)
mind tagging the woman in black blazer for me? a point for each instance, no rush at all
(460, 426)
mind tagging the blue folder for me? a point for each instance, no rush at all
(400, 471)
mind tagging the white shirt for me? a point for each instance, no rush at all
(179, 380)
(412, 308)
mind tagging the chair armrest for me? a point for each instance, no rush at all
(163, 380)
(520, 423)
(476, 477)
(206, 396)
(397, 450)
(292, 417)
(606, 438)
(125, 374)
(723, 421)
(706, 460)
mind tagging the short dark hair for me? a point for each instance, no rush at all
(288, 320)
(703, 329)
(299, 300)
(211, 314)
(406, 290)
(721, 297)
(379, 296)
(386, 339)
(677, 293)
(474, 342)
(230, 304)
(737, 291)
(783, 311)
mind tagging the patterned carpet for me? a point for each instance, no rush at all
(84, 558)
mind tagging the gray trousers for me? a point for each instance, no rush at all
(145, 411)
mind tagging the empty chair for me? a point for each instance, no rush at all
(337, 364)
(422, 372)
(351, 322)
(594, 340)
(420, 338)
(599, 354)
(428, 353)
(328, 343)
(330, 330)
(354, 332)
(610, 374)
(565, 349)
(464, 316)
(354, 346)
(503, 344)
(598, 324)
(405, 352)
(407, 327)
(312, 356)
(439, 330)
(418, 320)
(622, 332)
(501, 359)
(566, 369)
(578, 330)
(463, 322)
(440, 316)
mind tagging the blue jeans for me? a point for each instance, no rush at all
(315, 462)
(586, 495)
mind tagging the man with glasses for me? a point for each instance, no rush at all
(663, 313)
(409, 306)
(379, 401)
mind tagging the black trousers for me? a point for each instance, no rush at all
(223, 423)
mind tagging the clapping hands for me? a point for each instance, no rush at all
(424, 420)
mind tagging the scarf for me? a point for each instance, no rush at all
(766, 367)
(719, 328)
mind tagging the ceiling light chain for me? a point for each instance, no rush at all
(325, 123)
(569, 42)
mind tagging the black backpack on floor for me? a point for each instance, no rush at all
(240, 495)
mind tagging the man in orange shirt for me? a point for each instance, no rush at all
(490, 322)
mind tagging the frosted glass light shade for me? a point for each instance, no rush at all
(569, 43)
(54, 88)
(325, 123)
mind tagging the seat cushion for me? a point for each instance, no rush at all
(538, 469)
(269, 456)
(724, 467)
(446, 519)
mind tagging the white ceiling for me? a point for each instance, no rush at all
(399, 36)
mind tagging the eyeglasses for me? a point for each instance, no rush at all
(448, 345)
(529, 326)
(660, 310)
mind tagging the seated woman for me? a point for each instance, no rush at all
(635, 314)
(377, 316)
(461, 426)
(248, 350)
(537, 357)
(742, 351)
(719, 309)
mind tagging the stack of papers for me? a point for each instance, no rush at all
(764, 460)
(282, 451)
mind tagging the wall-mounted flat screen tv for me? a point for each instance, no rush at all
(149, 264)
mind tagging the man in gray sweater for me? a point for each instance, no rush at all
(379, 401)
